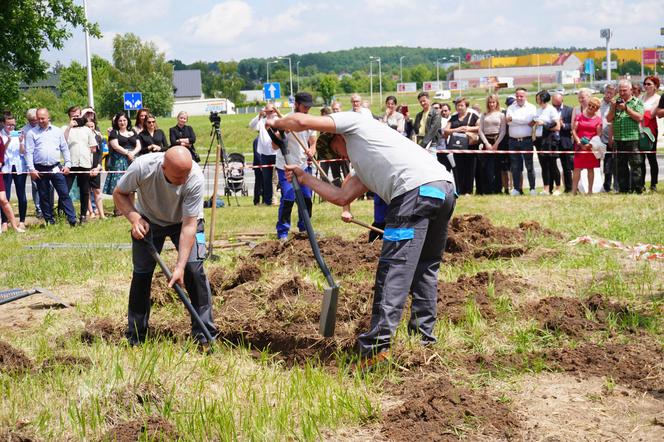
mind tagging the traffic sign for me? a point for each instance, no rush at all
(133, 100)
(589, 66)
(272, 91)
(614, 64)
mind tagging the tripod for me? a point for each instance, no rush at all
(215, 135)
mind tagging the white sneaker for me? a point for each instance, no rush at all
(544, 193)
(556, 193)
(515, 192)
(533, 192)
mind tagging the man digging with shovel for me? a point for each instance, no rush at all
(421, 201)
(170, 203)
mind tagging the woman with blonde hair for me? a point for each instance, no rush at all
(492, 129)
(586, 125)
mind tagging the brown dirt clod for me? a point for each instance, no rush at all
(13, 360)
(105, 329)
(151, 428)
(436, 410)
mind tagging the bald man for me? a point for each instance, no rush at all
(169, 203)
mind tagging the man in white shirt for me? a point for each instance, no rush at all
(264, 149)
(520, 118)
(357, 105)
(296, 156)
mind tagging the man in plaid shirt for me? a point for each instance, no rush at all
(626, 114)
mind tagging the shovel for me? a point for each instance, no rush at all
(328, 313)
(181, 294)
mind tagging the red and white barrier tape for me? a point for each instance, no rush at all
(649, 252)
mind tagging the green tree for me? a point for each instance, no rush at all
(73, 85)
(157, 94)
(328, 87)
(29, 27)
(229, 82)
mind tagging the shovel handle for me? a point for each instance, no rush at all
(313, 160)
(181, 294)
(363, 224)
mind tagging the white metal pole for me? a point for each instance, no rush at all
(401, 67)
(380, 80)
(643, 75)
(371, 80)
(91, 97)
(297, 72)
(267, 66)
(608, 57)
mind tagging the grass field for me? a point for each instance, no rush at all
(537, 339)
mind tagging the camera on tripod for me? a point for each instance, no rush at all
(215, 119)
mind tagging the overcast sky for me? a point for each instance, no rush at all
(192, 30)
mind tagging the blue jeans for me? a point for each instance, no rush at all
(286, 204)
(517, 160)
(60, 185)
(19, 183)
(266, 172)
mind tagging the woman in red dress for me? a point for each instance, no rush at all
(586, 125)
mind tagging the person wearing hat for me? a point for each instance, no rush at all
(296, 156)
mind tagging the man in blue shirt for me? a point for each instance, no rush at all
(45, 145)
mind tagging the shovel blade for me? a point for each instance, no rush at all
(328, 313)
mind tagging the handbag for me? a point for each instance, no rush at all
(458, 140)
(646, 138)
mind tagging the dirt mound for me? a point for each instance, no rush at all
(436, 410)
(267, 250)
(573, 317)
(246, 272)
(637, 364)
(151, 428)
(103, 328)
(13, 360)
(161, 294)
(79, 362)
(534, 226)
(216, 277)
(453, 297)
(284, 319)
(15, 436)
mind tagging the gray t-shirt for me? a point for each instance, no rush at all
(160, 201)
(384, 160)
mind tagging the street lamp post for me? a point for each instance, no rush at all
(267, 66)
(438, 72)
(91, 97)
(607, 34)
(371, 80)
(297, 73)
(290, 72)
(380, 79)
(401, 68)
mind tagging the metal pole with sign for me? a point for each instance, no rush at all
(606, 34)
(91, 96)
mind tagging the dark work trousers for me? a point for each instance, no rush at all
(610, 162)
(414, 240)
(338, 169)
(19, 183)
(287, 202)
(518, 159)
(466, 164)
(83, 181)
(266, 172)
(60, 185)
(630, 173)
(258, 179)
(195, 281)
(651, 157)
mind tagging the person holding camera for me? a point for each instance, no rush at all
(82, 143)
(152, 138)
(183, 135)
(626, 114)
(264, 149)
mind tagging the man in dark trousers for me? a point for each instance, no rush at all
(420, 195)
(566, 143)
(169, 203)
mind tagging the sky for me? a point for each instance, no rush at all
(193, 30)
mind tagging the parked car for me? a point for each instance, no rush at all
(442, 95)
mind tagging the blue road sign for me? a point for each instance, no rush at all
(133, 100)
(589, 66)
(272, 91)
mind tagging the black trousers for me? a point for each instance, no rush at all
(339, 171)
(83, 181)
(465, 169)
(195, 281)
(651, 157)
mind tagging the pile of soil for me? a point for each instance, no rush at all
(106, 329)
(161, 294)
(434, 409)
(474, 236)
(70, 361)
(572, 316)
(16, 436)
(454, 296)
(13, 360)
(246, 272)
(284, 319)
(151, 428)
(637, 364)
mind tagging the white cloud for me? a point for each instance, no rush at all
(221, 25)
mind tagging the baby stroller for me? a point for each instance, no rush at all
(235, 176)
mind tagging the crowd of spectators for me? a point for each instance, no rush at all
(57, 158)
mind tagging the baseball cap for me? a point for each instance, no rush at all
(304, 98)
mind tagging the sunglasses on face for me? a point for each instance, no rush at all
(151, 122)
